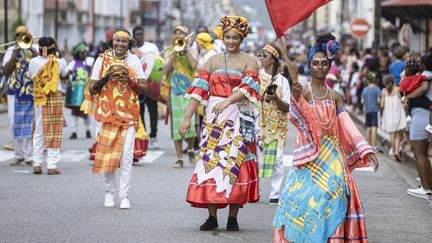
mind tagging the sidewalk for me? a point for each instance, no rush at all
(407, 157)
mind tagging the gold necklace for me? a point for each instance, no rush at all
(123, 57)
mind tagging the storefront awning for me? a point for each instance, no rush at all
(400, 3)
(411, 9)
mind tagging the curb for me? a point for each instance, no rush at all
(407, 157)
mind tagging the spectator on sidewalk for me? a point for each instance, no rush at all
(355, 83)
(411, 83)
(370, 97)
(397, 66)
(419, 136)
(394, 119)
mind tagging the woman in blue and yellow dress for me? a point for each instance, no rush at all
(320, 202)
(226, 172)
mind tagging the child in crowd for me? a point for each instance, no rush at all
(412, 82)
(393, 118)
(371, 99)
(355, 83)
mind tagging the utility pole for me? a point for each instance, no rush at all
(377, 24)
(314, 22)
(342, 18)
(6, 30)
(158, 25)
(121, 14)
(56, 20)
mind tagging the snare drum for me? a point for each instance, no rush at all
(75, 94)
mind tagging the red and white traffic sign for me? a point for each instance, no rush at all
(360, 28)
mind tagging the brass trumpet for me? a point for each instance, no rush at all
(24, 41)
(179, 43)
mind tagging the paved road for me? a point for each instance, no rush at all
(69, 207)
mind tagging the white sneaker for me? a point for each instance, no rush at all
(153, 143)
(124, 204)
(420, 192)
(428, 128)
(390, 152)
(109, 200)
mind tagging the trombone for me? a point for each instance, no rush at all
(23, 41)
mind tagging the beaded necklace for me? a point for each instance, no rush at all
(332, 116)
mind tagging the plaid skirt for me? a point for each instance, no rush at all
(23, 118)
(178, 106)
(109, 148)
(52, 120)
(269, 159)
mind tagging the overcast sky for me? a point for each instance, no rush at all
(259, 5)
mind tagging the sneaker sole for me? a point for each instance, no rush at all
(429, 197)
(109, 206)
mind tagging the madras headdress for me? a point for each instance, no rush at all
(272, 50)
(205, 39)
(238, 24)
(122, 34)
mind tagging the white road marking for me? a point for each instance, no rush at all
(151, 156)
(365, 169)
(288, 160)
(6, 155)
(72, 155)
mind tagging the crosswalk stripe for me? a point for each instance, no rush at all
(72, 155)
(6, 155)
(151, 156)
(288, 160)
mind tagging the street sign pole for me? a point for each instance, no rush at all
(377, 25)
(6, 30)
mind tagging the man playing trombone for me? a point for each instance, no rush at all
(179, 69)
(20, 94)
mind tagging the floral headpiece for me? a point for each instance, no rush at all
(329, 48)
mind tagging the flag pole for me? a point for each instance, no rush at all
(291, 68)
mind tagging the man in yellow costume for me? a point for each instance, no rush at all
(45, 71)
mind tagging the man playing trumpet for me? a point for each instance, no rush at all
(179, 67)
(20, 97)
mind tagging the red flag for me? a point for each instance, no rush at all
(287, 13)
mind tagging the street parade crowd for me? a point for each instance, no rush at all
(232, 109)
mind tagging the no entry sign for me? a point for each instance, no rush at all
(360, 28)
